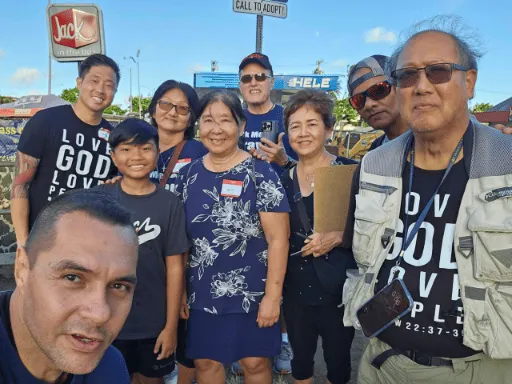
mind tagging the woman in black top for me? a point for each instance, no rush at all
(317, 264)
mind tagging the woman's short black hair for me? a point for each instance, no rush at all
(133, 131)
(190, 94)
(320, 101)
(230, 99)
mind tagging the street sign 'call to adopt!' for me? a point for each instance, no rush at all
(275, 8)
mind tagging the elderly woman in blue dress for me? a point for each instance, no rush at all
(237, 220)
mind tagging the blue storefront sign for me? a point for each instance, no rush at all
(282, 82)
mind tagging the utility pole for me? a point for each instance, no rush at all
(138, 81)
(131, 97)
(318, 70)
(50, 62)
(259, 33)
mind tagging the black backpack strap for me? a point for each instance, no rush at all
(301, 207)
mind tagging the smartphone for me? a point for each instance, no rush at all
(270, 130)
(388, 305)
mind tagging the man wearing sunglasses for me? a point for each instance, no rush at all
(373, 96)
(264, 135)
(433, 210)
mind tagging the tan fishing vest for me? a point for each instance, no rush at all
(482, 239)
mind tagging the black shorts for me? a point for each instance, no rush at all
(305, 324)
(181, 357)
(140, 358)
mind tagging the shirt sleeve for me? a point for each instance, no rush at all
(33, 138)
(271, 196)
(177, 241)
(349, 226)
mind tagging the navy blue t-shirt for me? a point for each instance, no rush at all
(192, 150)
(252, 134)
(111, 368)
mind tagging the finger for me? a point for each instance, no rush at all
(507, 130)
(280, 139)
(158, 344)
(268, 151)
(251, 151)
(187, 313)
(103, 182)
(269, 143)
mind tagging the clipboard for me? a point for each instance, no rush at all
(332, 197)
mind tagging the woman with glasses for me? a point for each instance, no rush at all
(174, 110)
(237, 219)
(317, 264)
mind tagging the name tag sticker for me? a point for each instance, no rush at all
(104, 134)
(180, 164)
(231, 188)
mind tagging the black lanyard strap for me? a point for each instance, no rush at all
(408, 238)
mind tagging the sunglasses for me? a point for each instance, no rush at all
(436, 73)
(375, 92)
(246, 79)
(168, 106)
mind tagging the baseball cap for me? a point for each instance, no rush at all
(375, 63)
(258, 58)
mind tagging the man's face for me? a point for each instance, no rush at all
(378, 114)
(98, 88)
(256, 92)
(76, 296)
(135, 161)
(427, 107)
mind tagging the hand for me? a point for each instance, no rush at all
(271, 152)
(268, 313)
(113, 180)
(319, 244)
(166, 343)
(504, 129)
(184, 311)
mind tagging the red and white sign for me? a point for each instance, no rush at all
(75, 31)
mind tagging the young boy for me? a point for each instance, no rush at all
(148, 338)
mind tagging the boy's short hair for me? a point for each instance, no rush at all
(98, 60)
(133, 131)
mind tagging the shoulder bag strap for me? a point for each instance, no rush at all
(172, 163)
(301, 207)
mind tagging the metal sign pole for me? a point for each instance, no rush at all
(259, 33)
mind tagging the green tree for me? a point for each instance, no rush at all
(70, 94)
(344, 111)
(481, 107)
(144, 103)
(7, 99)
(115, 109)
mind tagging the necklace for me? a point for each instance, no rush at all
(310, 177)
(165, 163)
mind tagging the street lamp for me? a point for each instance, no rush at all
(138, 79)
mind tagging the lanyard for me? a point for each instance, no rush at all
(410, 237)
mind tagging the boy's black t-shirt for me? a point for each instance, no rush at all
(72, 154)
(160, 217)
(111, 368)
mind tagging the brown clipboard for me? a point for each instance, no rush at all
(332, 197)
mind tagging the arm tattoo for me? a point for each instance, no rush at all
(24, 173)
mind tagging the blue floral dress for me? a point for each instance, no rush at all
(228, 260)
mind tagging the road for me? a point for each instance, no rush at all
(7, 282)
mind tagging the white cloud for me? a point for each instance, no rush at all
(196, 68)
(26, 76)
(317, 34)
(2, 53)
(379, 34)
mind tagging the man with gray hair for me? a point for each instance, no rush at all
(373, 95)
(432, 230)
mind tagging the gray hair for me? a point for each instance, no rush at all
(466, 40)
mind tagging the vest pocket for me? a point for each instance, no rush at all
(369, 225)
(491, 227)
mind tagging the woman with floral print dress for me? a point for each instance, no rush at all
(237, 220)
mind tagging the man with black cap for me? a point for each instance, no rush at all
(256, 83)
(372, 95)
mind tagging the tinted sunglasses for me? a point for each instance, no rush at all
(246, 79)
(167, 106)
(375, 92)
(436, 73)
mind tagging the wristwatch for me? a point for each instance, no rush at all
(290, 163)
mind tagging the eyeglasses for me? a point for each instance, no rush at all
(436, 73)
(246, 79)
(375, 92)
(167, 106)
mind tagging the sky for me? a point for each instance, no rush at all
(177, 38)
